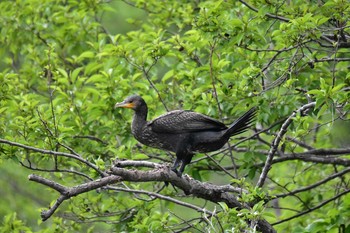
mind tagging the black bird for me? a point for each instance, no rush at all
(183, 132)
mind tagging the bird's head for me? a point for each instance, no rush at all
(134, 102)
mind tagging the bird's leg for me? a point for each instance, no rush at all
(175, 165)
(186, 160)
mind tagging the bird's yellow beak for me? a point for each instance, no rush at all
(124, 105)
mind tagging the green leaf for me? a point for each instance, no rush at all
(168, 75)
(338, 87)
(75, 73)
(63, 72)
(140, 156)
(224, 206)
(316, 92)
(86, 54)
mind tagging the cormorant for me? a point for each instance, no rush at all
(181, 131)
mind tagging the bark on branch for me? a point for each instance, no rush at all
(190, 186)
(160, 173)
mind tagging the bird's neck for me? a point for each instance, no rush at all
(139, 120)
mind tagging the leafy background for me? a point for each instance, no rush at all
(64, 64)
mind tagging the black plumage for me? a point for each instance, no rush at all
(183, 132)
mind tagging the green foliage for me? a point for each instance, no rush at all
(12, 224)
(63, 68)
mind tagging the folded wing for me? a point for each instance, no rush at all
(180, 121)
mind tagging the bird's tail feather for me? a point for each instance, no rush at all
(242, 124)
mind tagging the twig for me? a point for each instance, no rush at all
(222, 168)
(93, 138)
(313, 208)
(284, 19)
(160, 196)
(328, 160)
(212, 47)
(331, 177)
(299, 143)
(55, 153)
(30, 167)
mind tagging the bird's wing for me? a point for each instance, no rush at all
(180, 121)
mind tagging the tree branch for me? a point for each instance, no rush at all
(277, 141)
(325, 152)
(207, 191)
(305, 158)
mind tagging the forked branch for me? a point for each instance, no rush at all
(66, 192)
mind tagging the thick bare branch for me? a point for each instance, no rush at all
(165, 174)
(207, 191)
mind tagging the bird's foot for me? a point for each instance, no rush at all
(166, 184)
(178, 173)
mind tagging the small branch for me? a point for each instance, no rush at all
(146, 74)
(67, 193)
(276, 142)
(222, 168)
(299, 143)
(160, 196)
(313, 208)
(280, 80)
(326, 152)
(316, 159)
(272, 16)
(336, 59)
(46, 214)
(266, 67)
(212, 76)
(331, 177)
(56, 186)
(135, 163)
(55, 153)
(69, 149)
(313, 159)
(93, 138)
(70, 171)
